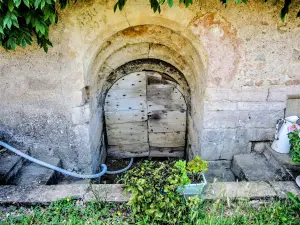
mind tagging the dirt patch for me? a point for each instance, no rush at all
(113, 165)
(117, 164)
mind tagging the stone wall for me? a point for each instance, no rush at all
(241, 64)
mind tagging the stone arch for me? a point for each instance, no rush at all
(146, 44)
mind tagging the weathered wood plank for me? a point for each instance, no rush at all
(124, 155)
(164, 97)
(138, 79)
(122, 93)
(160, 91)
(165, 105)
(125, 116)
(127, 133)
(172, 139)
(168, 116)
(138, 103)
(134, 148)
(159, 126)
(170, 121)
(128, 151)
(177, 152)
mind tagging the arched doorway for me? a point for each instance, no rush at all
(142, 48)
(145, 115)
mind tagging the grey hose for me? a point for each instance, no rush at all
(66, 172)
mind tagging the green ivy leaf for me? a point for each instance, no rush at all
(170, 3)
(37, 3)
(285, 9)
(11, 43)
(15, 23)
(17, 3)
(40, 27)
(7, 21)
(26, 2)
(11, 5)
(43, 3)
(23, 43)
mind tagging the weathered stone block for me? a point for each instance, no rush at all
(211, 150)
(252, 190)
(283, 187)
(279, 93)
(258, 106)
(251, 94)
(233, 147)
(260, 134)
(220, 119)
(259, 119)
(217, 94)
(34, 174)
(81, 115)
(243, 166)
(213, 135)
(219, 106)
(293, 107)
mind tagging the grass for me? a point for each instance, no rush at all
(71, 211)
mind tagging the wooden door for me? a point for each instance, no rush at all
(145, 115)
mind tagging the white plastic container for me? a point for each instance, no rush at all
(281, 144)
(193, 189)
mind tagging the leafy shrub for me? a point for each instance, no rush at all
(20, 20)
(154, 198)
(197, 165)
(294, 137)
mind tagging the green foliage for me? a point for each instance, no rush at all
(197, 165)
(21, 21)
(295, 144)
(75, 212)
(153, 186)
(70, 211)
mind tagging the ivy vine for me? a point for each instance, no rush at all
(23, 20)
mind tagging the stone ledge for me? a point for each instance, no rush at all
(282, 188)
(251, 190)
(44, 194)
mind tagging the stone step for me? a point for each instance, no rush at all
(219, 171)
(283, 160)
(256, 167)
(34, 174)
(10, 165)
